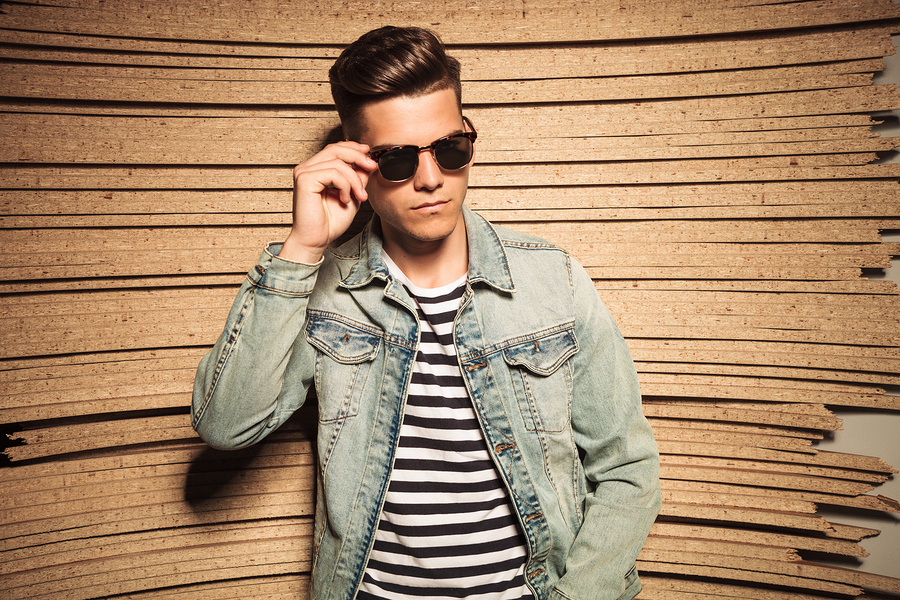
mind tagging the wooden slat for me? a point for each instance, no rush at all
(138, 146)
(537, 24)
(663, 172)
(307, 87)
(645, 57)
(285, 587)
(656, 587)
(708, 566)
(790, 540)
(863, 501)
(661, 385)
(804, 373)
(713, 165)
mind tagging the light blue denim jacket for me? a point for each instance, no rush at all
(549, 374)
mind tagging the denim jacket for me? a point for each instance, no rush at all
(549, 374)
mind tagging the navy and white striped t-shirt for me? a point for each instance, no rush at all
(447, 530)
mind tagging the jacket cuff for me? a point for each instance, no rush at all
(281, 275)
(631, 588)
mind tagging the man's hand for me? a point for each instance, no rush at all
(328, 189)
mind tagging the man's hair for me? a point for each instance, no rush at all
(388, 63)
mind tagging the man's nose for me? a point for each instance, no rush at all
(428, 173)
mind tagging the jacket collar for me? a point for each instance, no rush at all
(487, 259)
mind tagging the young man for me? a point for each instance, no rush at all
(480, 430)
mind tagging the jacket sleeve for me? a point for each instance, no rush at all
(620, 458)
(240, 394)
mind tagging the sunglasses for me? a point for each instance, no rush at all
(451, 153)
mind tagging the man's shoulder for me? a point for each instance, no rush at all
(516, 238)
(536, 263)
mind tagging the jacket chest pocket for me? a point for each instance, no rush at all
(346, 350)
(541, 375)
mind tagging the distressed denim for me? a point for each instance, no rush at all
(549, 374)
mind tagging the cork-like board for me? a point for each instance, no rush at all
(715, 166)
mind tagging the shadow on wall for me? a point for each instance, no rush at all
(274, 478)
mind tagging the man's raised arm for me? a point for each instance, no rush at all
(260, 368)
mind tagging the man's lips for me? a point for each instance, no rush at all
(428, 205)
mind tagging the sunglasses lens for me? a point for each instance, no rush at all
(454, 153)
(398, 164)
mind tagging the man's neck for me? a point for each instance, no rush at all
(431, 264)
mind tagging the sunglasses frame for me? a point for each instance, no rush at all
(471, 135)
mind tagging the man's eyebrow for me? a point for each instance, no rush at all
(385, 146)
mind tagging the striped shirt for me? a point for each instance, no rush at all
(447, 529)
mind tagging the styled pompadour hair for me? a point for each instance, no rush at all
(387, 63)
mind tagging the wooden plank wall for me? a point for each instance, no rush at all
(713, 164)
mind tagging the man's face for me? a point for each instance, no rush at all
(424, 211)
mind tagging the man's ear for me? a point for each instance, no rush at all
(467, 123)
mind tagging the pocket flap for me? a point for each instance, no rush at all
(345, 341)
(542, 352)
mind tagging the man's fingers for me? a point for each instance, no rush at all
(337, 176)
(351, 153)
(328, 189)
(349, 159)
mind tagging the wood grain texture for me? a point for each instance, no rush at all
(715, 166)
